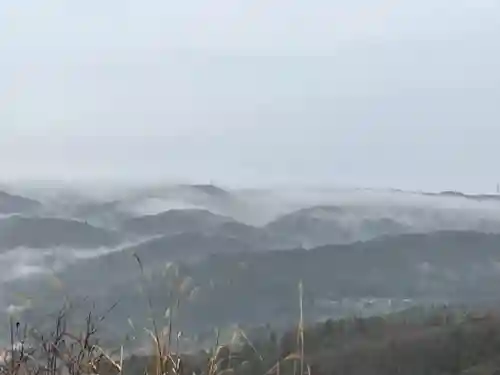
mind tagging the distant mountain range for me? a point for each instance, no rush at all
(212, 212)
(46, 233)
(295, 220)
(241, 253)
(14, 204)
(247, 285)
(476, 197)
(193, 222)
(175, 222)
(333, 225)
(323, 225)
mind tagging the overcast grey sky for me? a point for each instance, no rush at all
(380, 93)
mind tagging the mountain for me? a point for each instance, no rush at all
(255, 236)
(340, 224)
(121, 266)
(363, 256)
(174, 222)
(155, 200)
(210, 190)
(18, 231)
(323, 225)
(203, 222)
(185, 246)
(14, 204)
(231, 282)
(458, 194)
(104, 214)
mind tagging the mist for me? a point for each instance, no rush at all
(238, 149)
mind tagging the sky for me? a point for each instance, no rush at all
(364, 93)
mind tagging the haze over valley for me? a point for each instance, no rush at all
(239, 259)
(249, 187)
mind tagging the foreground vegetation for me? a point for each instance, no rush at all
(444, 341)
(420, 341)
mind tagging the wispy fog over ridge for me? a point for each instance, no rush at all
(111, 218)
(83, 243)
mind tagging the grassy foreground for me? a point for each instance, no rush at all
(443, 342)
(420, 341)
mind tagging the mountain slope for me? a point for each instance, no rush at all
(187, 245)
(18, 231)
(174, 222)
(14, 204)
(250, 286)
(323, 225)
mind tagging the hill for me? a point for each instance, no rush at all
(458, 194)
(14, 204)
(44, 233)
(322, 225)
(174, 222)
(228, 281)
(185, 246)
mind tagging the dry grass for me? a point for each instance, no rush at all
(467, 345)
(165, 361)
(58, 351)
